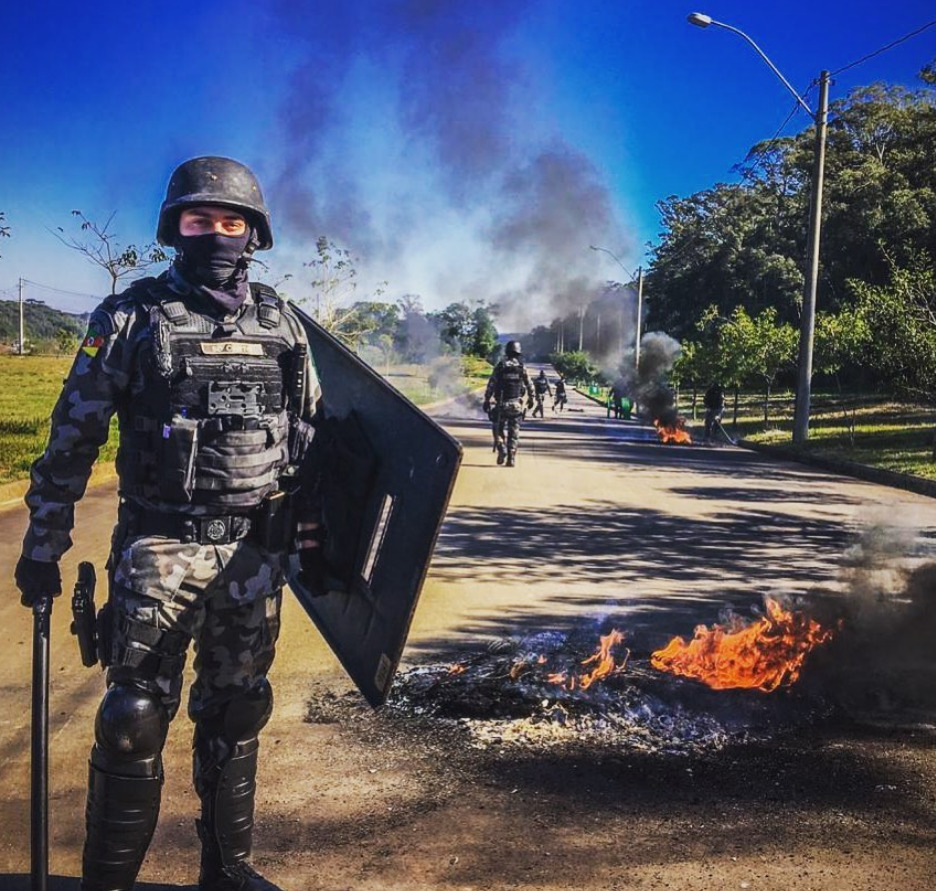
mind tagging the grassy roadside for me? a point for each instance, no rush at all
(876, 431)
(29, 386)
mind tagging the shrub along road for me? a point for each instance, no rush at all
(598, 525)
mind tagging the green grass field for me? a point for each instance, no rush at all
(883, 433)
(29, 386)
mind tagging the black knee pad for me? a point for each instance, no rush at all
(131, 723)
(247, 715)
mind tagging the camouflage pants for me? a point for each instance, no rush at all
(507, 419)
(225, 598)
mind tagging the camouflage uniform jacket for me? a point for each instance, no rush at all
(108, 374)
(495, 385)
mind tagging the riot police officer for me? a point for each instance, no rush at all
(214, 389)
(561, 399)
(542, 389)
(714, 402)
(510, 387)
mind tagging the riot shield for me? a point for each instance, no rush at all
(389, 473)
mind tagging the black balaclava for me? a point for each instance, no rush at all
(216, 265)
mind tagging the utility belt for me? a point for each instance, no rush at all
(269, 524)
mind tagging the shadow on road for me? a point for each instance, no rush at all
(65, 883)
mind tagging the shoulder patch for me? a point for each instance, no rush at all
(95, 336)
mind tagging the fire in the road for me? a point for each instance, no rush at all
(764, 655)
(673, 433)
(603, 659)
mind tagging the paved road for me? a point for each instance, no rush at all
(596, 520)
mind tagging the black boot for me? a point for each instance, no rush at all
(226, 827)
(120, 817)
(511, 459)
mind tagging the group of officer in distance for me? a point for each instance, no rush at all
(509, 394)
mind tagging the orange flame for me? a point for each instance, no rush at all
(603, 659)
(673, 433)
(764, 655)
(457, 668)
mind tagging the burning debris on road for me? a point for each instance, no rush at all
(762, 655)
(672, 431)
(539, 691)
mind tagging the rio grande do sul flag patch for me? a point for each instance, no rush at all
(93, 340)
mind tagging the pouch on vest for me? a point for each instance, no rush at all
(179, 444)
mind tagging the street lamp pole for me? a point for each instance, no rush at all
(808, 321)
(640, 281)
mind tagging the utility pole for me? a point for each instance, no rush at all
(581, 329)
(808, 324)
(808, 321)
(22, 331)
(640, 281)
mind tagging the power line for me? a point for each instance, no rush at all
(95, 297)
(884, 49)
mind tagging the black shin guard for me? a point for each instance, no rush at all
(227, 795)
(120, 819)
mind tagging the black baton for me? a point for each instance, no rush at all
(39, 765)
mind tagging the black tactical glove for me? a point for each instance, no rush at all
(314, 572)
(529, 403)
(36, 580)
(486, 407)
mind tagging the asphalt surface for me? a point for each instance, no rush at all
(597, 524)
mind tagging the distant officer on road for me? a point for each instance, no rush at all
(714, 402)
(541, 389)
(561, 398)
(510, 388)
(212, 383)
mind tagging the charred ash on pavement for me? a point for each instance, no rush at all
(504, 696)
(870, 664)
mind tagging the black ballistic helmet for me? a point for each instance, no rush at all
(513, 348)
(216, 181)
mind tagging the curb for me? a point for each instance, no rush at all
(879, 475)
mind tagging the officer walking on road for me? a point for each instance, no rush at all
(714, 402)
(510, 387)
(541, 390)
(214, 390)
(560, 401)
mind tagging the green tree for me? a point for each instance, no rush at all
(484, 336)
(66, 341)
(743, 244)
(468, 331)
(97, 244)
(901, 321)
(574, 365)
(840, 340)
(334, 284)
(758, 348)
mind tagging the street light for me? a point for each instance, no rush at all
(640, 280)
(820, 118)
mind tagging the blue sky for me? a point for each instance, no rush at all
(460, 150)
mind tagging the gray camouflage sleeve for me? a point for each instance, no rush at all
(492, 384)
(80, 425)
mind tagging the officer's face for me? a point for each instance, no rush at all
(207, 220)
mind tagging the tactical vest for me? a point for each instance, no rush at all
(210, 428)
(511, 381)
(541, 385)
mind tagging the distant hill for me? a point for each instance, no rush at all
(41, 322)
